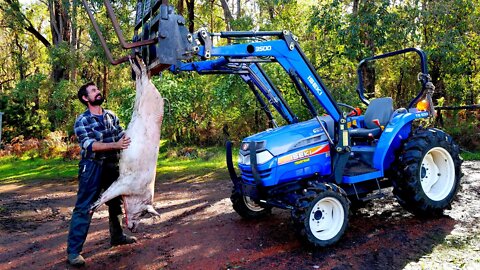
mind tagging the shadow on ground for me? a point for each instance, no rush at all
(199, 230)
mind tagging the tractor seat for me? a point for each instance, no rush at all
(380, 109)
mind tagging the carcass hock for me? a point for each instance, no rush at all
(138, 162)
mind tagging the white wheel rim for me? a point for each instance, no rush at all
(251, 205)
(326, 218)
(437, 174)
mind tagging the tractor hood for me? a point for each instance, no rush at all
(283, 139)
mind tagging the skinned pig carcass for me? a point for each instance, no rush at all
(139, 161)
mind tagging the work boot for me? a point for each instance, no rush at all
(123, 240)
(117, 237)
(75, 260)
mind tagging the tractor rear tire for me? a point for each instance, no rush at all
(247, 208)
(321, 215)
(428, 172)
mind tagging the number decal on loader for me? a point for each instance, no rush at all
(263, 48)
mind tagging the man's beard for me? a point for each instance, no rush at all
(97, 102)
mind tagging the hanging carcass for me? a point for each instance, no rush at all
(138, 162)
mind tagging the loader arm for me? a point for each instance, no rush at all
(289, 56)
(284, 50)
(290, 59)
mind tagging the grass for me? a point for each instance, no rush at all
(14, 169)
(205, 163)
(202, 164)
(466, 155)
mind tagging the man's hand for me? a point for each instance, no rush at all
(123, 143)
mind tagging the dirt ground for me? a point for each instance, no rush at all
(198, 229)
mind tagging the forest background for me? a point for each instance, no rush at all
(48, 49)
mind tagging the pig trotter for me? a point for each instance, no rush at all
(142, 65)
(94, 207)
(135, 67)
(152, 211)
(138, 66)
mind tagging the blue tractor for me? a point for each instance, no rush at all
(319, 168)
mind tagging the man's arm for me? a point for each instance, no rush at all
(89, 143)
(123, 143)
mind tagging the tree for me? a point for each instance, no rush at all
(55, 38)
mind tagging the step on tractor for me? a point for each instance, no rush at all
(319, 168)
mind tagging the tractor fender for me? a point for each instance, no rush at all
(397, 130)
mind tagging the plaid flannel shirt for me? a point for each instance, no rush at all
(90, 129)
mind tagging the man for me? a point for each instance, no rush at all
(101, 138)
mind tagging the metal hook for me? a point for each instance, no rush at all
(118, 31)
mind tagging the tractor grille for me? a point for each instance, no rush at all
(247, 175)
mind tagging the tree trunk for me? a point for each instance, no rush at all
(227, 14)
(271, 11)
(239, 9)
(470, 81)
(60, 25)
(19, 58)
(355, 8)
(180, 7)
(74, 41)
(212, 22)
(435, 73)
(191, 15)
(367, 41)
(435, 67)
(425, 20)
(398, 95)
(105, 81)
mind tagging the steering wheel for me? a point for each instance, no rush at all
(354, 111)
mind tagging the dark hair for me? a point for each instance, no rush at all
(83, 92)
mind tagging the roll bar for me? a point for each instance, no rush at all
(423, 78)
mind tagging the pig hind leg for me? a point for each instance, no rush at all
(115, 190)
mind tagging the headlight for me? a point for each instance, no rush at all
(243, 159)
(262, 157)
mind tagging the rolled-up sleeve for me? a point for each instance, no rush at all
(85, 135)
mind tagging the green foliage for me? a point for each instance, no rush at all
(26, 111)
(121, 101)
(464, 127)
(63, 105)
(194, 106)
(242, 23)
(63, 56)
(335, 35)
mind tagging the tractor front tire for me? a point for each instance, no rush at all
(428, 172)
(321, 215)
(247, 208)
